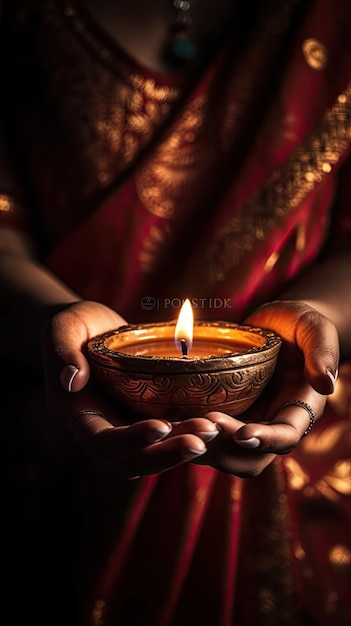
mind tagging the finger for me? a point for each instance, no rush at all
(68, 335)
(161, 457)
(226, 456)
(291, 423)
(94, 433)
(314, 334)
(69, 373)
(318, 339)
(225, 423)
(63, 341)
(204, 428)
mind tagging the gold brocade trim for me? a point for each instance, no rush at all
(140, 106)
(287, 188)
(265, 570)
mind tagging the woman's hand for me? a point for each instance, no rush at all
(109, 437)
(305, 374)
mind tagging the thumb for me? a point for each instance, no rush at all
(75, 377)
(318, 339)
(66, 337)
(313, 334)
(63, 343)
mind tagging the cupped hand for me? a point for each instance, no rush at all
(110, 437)
(306, 372)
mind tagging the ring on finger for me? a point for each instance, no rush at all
(81, 414)
(307, 408)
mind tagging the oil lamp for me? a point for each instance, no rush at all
(184, 368)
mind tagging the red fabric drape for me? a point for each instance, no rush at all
(232, 202)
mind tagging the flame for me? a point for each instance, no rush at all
(185, 326)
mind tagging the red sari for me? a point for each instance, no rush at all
(144, 191)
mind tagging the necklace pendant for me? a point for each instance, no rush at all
(181, 48)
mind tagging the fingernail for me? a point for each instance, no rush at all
(332, 377)
(193, 452)
(67, 376)
(253, 442)
(157, 434)
(208, 436)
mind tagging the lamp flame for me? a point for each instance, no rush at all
(183, 335)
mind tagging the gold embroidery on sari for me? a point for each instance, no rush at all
(271, 261)
(10, 206)
(137, 109)
(7, 204)
(151, 244)
(284, 192)
(267, 554)
(301, 238)
(98, 613)
(340, 556)
(331, 601)
(175, 168)
(200, 495)
(236, 490)
(333, 484)
(336, 482)
(137, 106)
(325, 440)
(296, 476)
(315, 54)
(299, 552)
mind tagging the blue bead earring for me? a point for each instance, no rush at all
(181, 47)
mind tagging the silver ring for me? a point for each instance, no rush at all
(80, 414)
(307, 408)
